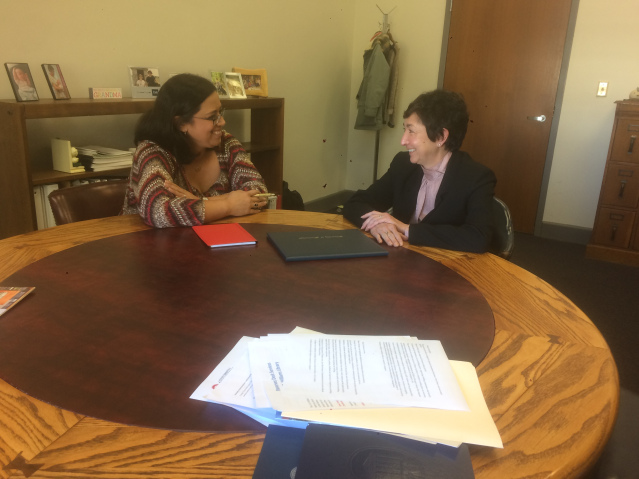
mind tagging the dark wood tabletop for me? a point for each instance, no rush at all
(547, 374)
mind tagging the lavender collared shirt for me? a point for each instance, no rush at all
(431, 182)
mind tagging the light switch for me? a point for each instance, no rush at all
(603, 88)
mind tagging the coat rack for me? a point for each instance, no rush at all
(385, 29)
(385, 24)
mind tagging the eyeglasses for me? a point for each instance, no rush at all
(215, 117)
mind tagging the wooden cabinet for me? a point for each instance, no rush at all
(17, 178)
(615, 236)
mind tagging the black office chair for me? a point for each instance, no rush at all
(87, 202)
(503, 241)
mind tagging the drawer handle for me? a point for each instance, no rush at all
(632, 143)
(622, 188)
(614, 232)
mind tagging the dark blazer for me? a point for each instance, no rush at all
(462, 219)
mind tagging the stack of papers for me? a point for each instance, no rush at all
(397, 385)
(101, 158)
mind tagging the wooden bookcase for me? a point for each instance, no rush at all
(17, 178)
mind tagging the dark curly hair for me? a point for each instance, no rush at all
(439, 109)
(178, 100)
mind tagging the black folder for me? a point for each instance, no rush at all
(280, 453)
(341, 452)
(324, 244)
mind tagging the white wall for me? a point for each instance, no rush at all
(604, 49)
(304, 46)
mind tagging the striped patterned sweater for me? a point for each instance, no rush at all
(152, 165)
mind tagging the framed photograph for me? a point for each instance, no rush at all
(255, 81)
(21, 81)
(234, 84)
(144, 76)
(219, 80)
(56, 82)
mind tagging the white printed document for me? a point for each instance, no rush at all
(398, 385)
(309, 371)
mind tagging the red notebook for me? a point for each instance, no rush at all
(225, 234)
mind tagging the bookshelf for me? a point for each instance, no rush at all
(17, 178)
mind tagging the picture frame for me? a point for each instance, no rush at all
(219, 80)
(55, 80)
(255, 81)
(21, 81)
(144, 77)
(234, 85)
(145, 82)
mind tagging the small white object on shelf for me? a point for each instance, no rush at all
(65, 158)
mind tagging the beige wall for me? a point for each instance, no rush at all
(304, 46)
(313, 54)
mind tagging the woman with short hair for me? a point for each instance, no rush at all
(439, 195)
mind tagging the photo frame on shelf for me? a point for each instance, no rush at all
(255, 81)
(234, 84)
(21, 81)
(56, 82)
(219, 80)
(145, 82)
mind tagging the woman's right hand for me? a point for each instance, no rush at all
(240, 203)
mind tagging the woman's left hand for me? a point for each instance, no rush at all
(388, 233)
(375, 218)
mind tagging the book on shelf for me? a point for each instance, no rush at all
(10, 295)
(100, 158)
(44, 213)
(224, 234)
(103, 152)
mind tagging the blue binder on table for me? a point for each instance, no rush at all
(324, 244)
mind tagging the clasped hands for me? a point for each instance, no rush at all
(385, 228)
(239, 202)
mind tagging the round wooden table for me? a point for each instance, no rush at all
(549, 380)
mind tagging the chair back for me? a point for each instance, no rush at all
(503, 241)
(87, 202)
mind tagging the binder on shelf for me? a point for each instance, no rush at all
(49, 220)
(44, 213)
(39, 206)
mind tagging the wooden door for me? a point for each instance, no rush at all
(505, 57)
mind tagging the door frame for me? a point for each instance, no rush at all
(554, 126)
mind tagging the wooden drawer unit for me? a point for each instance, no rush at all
(621, 186)
(615, 235)
(625, 145)
(613, 228)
